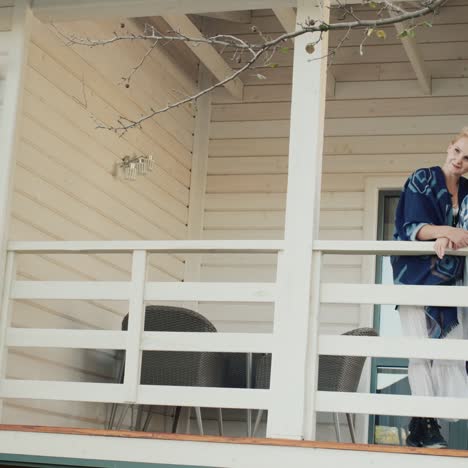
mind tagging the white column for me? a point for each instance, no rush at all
(288, 380)
(135, 325)
(18, 42)
(5, 317)
(196, 211)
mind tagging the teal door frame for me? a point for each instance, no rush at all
(381, 362)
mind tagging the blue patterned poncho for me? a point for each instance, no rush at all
(425, 199)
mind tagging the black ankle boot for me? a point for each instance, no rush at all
(416, 433)
(432, 438)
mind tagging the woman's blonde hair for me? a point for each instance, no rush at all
(463, 134)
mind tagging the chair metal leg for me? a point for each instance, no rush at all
(199, 419)
(113, 412)
(257, 422)
(187, 426)
(148, 418)
(175, 421)
(336, 419)
(122, 416)
(139, 417)
(220, 422)
(132, 417)
(249, 423)
(249, 385)
(351, 427)
(119, 378)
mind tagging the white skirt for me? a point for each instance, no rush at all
(439, 377)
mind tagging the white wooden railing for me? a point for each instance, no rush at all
(340, 293)
(138, 290)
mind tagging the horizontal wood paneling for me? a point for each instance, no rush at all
(365, 89)
(379, 122)
(64, 189)
(6, 12)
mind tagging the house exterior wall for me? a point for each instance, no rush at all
(378, 123)
(6, 10)
(64, 189)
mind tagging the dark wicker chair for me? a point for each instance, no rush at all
(236, 370)
(186, 368)
(336, 374)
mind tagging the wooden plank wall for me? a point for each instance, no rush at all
(65, 190)
(378, 123)
(6, 10)
(5, 25)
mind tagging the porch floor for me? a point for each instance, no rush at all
(34, 440)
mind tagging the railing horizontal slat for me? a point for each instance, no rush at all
(398, 405)
(65, 391)
(86, 290)
(393, 347)
(167, 246)
(341, 293)
(380, 248)
(221, 292)
(210, 342)
(59, 338)
(206, 397)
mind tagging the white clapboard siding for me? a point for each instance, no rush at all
(277, 201)
(57, 413)
(424, 106)
(341, 126)
(6, 11)
(40, 111)
(398, 71)
(97, 171)
(3, 69)
(66, 99)
(378, 123)
(443, 87)
(48, 42)
(5, 26)
(64, 189)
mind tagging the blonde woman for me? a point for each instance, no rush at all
(429, 210)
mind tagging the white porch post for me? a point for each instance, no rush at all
(17, 41)
(289, 366)
(15, 44)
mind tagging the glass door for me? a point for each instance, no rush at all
(389, 376)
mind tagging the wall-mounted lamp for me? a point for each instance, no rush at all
(131, 166)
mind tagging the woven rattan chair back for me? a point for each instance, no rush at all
(342, 373)
(336, 374)
(178, 367)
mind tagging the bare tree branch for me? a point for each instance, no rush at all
(265, 49)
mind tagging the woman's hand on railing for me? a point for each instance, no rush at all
(458, 237)
(440, 245)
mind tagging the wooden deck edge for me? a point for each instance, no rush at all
(236, 440)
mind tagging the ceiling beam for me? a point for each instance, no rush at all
(243, 17)
(416, 59)
(287, 19)
(73, 10)
(207, 54)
